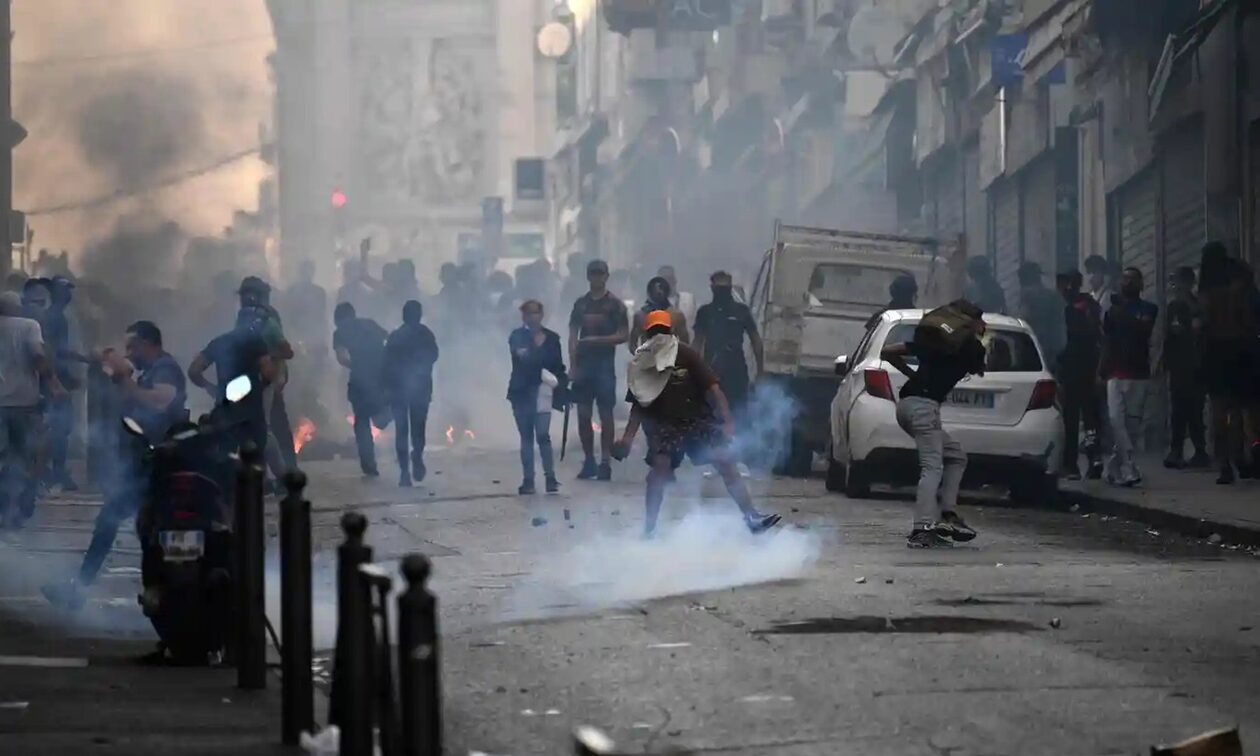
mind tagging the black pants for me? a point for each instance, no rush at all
(282, 431)
(1080, 403)
(60, 426)
(363, 436)
(1185, 399)
(411, 418)
(123, 493)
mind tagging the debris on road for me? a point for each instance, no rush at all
(1075, 508)
(766, 699)
(567, 517)
(859, 580)
(1224, 742)
(888, 581)
(1152, 532)
(999, 564)
(538, 522)
(15, 705)
(668, 645)
(1056, 623)
(587, 741)
(1215, 539)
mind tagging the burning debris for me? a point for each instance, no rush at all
(303, 434)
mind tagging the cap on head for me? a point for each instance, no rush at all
(658, 319)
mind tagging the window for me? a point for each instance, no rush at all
(1006, 351)
(851, 284)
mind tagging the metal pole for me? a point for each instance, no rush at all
(351, 704)
(251, 646)
(297, 645)
(419, 664)
(383, 678)
(6, 121)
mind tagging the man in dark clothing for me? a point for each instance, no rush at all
(359, 344)
(983, 289)
(1126, 369)
(1042, 308)
(721, 327)
(60, 411)
(306, 307)
(1180, 359)
(239, 352)
(659, 297)
(1077, 371)
(411, 351)
(155, 397)
(597, 325)
(942, 460)
(903, 292)
(257, 315)
(670, 385)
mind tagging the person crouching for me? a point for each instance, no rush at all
(673, 388)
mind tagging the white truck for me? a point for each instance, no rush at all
(814, 293)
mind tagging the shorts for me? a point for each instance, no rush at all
(596, 383)
(697, 439)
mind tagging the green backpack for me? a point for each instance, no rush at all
(949, 328)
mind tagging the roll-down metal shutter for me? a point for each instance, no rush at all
(949, 197)
(1136, 214)
(1006, 238)
(1184, 209)
(976, 223)
(1038, 212)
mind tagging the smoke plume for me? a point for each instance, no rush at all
(125, 101)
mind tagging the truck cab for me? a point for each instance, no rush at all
(815, 292)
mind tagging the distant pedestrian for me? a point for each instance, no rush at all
(659, 297)
(1126, 371)
(1099, 280)
(359, 344)
(983, 289)
(1077, 372)
(722, 325)
(1229, 348)
(903, 294)
(1042, 308)
(411, 351)
(61, 413)
(1179, 359)
(683, 301)
(535, 388)
(670, 385)
(942, 460)
(597, 325)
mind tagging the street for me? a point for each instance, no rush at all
(1052, 633)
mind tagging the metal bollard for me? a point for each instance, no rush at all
(251, 607)
(419, 665)
(377, 579)
(297, 643)
(351, 699)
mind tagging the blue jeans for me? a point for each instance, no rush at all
(20, 436)
(124, 491)
(534, 426)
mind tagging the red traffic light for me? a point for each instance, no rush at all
(339, 199)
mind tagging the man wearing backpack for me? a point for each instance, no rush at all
(948, 348)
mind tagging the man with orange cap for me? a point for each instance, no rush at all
(687, 414)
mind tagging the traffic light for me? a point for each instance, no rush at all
(339, 199)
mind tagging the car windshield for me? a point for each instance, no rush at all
(1006, 350)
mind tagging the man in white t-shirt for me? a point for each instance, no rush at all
(23, 364)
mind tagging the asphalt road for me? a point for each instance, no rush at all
(1053, 633)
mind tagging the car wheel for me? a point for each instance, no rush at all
(836, 474)
(857, 484)
(1035, 490)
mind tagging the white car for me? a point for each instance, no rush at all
(1008, 420)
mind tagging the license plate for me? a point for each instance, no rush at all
(964, 398)
(182, 545)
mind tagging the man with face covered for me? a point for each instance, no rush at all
(721, 327)
(1126, 371)
(659, 291)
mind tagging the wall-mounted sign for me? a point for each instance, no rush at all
(683, 15)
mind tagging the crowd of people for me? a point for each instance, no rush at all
(1100, 333)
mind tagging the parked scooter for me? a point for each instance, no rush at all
(185, 529)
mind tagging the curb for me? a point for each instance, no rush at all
(1186, 525)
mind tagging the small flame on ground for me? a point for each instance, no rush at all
(450, 434)
(302, 434)
(468, 434)
(376, 432)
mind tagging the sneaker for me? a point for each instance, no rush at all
(589, 471)
(419, 471)
(926, 538)
(953, 526)
(1226, 477)
(758, 524)
(1200, 460)
(404, 480)
(553, 485)
(605, 471)
(371, 472)
(64, 595)
(1095, 471)
(527, 489)
(1174, 461)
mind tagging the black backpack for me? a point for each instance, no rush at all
(949, 328)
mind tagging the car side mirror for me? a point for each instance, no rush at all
(842, 364)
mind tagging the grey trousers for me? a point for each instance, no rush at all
(942, 460)
(1126, 408)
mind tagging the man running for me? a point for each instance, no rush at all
(671, 385)
(942, 460)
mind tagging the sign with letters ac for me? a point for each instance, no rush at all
(683, 15)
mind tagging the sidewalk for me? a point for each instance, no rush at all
(1185, 501)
